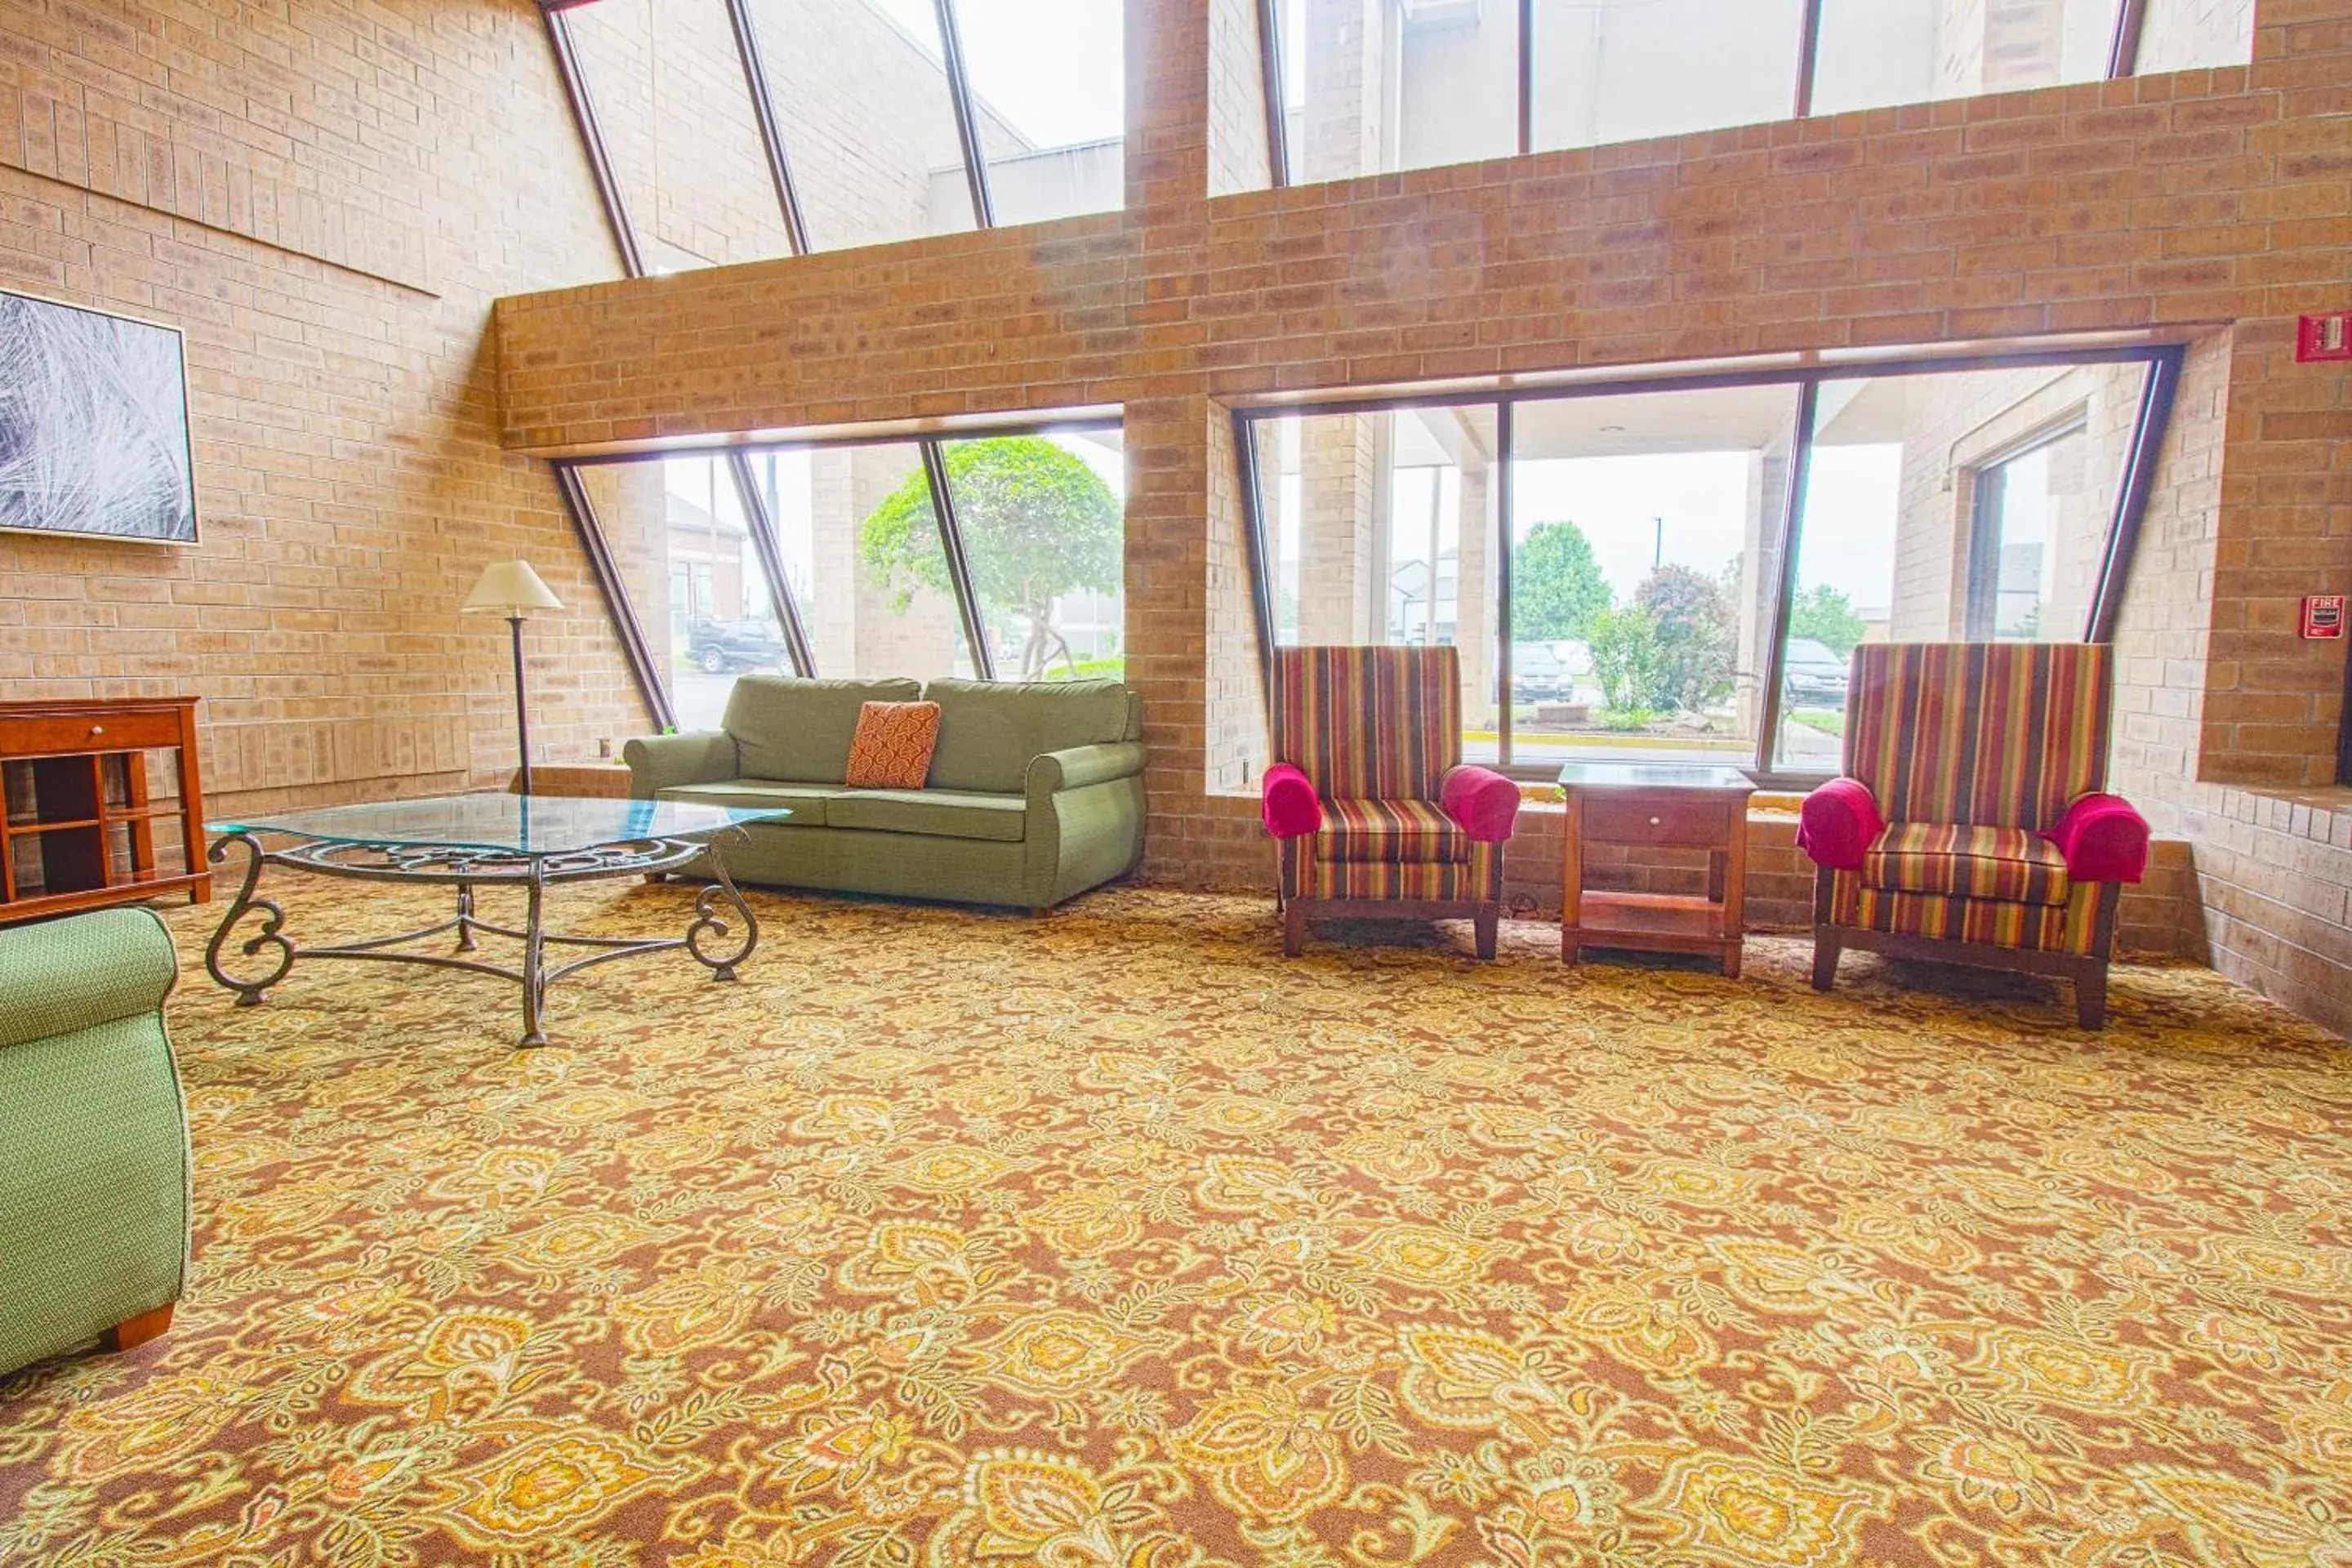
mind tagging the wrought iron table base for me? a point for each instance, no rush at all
(466, 869)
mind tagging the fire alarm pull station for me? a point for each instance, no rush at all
(2324, 337)
(2323, 616)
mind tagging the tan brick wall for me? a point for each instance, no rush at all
(325, 200)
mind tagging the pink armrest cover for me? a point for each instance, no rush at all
(1838, 822)
(2103, 838)
(1288, 805)
(1483, 800)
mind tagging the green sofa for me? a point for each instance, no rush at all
(93, 1140)
(1036, 791)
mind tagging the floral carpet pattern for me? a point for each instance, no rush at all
(1114, 1240)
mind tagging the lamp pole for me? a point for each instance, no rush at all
(522, 709)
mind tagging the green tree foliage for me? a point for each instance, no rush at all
(1038, 523)
(1824, 614)
(1556, 584)
(1624, 645)
(1697, 634)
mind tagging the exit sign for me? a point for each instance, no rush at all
(2324, 337)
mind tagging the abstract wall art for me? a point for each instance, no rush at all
(93, 426)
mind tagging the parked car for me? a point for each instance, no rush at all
(1816, 676)
(716, 647)
(1547, 671)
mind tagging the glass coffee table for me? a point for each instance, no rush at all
(471, 841)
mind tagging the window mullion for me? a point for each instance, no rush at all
(771, 133)
(1808, 56)
(2131, 502)
(1784, 594)
(1506, 504)
(771, 561)
(935, 471)
(615, 592)
(2123, 53)
(591, 139)
(1527, 77)
(1270, 76)
(975, 165)
(1257, 561)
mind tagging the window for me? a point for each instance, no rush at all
(1962, 505)
(1620, 72)
(1375, 522)
(736, 129)
(679, 534)
(1377, 84)
(1643, 528)
(1043, 519)
(678, 128)
(1372, 86)
(1636, 545)
(836, 560)
(1049, 90)
(868, 116)
(1876, 52)
(2185, 35)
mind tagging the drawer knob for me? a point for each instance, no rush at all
(1654, 822)
(98, 729)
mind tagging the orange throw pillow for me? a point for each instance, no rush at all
(892, 748)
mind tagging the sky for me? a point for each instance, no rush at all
(1055, 69)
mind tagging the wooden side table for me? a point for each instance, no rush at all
(1668, 806)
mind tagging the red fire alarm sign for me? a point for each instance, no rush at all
(2324, 337)
(2323, 616)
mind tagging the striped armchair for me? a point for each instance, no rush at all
(1971, 827)
(1369, 805)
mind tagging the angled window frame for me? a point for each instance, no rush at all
(2119, 545)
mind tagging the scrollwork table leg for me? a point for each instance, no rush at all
(249, 992)
(708, 919)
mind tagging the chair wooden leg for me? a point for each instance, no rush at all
(1294, 929)
(132, 1332)
(2091, 995)
(1826, 949)
(1487, 923)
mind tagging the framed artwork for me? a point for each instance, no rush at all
(93, 426)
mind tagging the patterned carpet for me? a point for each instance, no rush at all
(1114, 1240)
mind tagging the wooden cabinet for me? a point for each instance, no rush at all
(85, 824)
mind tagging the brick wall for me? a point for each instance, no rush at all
(325, 199)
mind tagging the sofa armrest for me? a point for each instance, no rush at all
(1079, 766)
(85, 970)
(1288, 803)
(1838, 824)
(1483, 802)
(2103, 838)
(657, 762)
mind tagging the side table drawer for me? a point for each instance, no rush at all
(48, 735)
(1700, 824)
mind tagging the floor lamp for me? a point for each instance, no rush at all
(510, 588)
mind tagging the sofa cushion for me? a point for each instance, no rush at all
(798, 731)
(990, 730)
(943, 813)
(1964, 862)
(805, 802)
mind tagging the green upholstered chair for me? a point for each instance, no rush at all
(93, 1138)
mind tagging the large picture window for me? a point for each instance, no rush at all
(1681, 574)
(998, 555)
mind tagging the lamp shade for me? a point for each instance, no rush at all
(508, 588)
